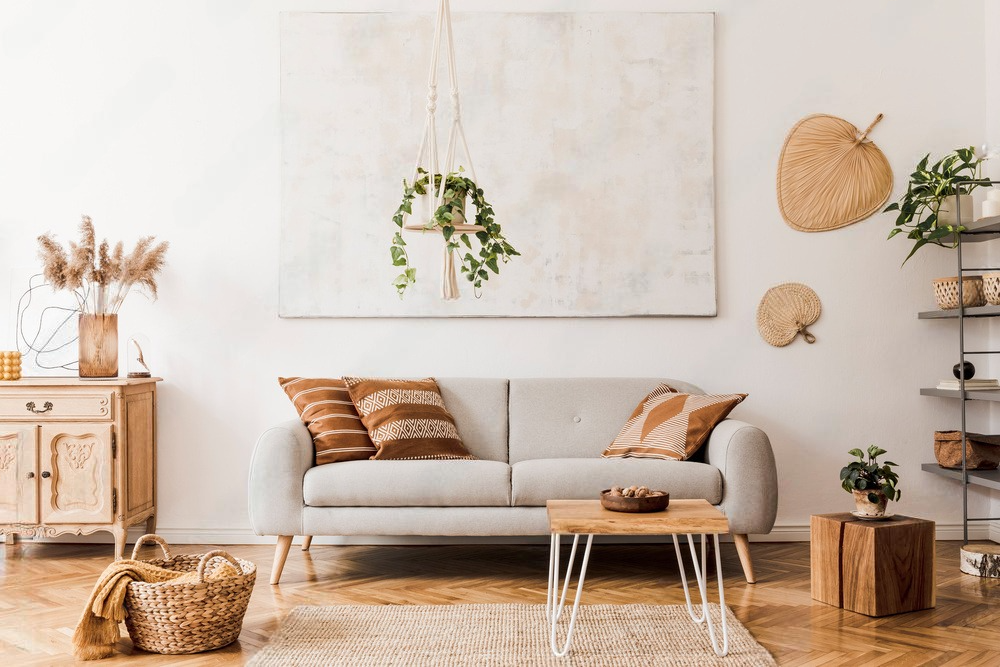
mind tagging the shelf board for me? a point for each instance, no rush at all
(979, 311)
(988, 229)
(987, 478)
(987, 395)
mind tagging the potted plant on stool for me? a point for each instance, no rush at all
(872, 484)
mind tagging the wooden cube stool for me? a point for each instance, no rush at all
(875, 568)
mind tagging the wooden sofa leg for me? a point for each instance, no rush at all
(307, 542)
(743, 549)
(280, 554)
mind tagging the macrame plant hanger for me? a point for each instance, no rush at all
(429, 147)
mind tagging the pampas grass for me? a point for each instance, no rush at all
(98, 276)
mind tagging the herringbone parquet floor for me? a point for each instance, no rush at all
(43, 586)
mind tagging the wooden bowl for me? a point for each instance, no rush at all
(626, 504)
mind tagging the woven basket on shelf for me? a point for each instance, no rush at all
(946, 292)
(991, 288)
(176, 618)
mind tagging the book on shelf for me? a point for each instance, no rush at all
(979, 384)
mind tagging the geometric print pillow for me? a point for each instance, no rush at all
(327, 410)
(406, 419)
(671, 425)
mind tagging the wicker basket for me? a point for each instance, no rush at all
(946, 292)
(991, 288)
(187, 617)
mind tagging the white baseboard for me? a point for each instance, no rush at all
(994, 531)
(225, 536)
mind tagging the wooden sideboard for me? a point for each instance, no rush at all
(77, 456)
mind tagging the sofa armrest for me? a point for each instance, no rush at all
(280, 460)
(743, 455)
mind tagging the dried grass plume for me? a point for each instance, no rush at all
(101, 277)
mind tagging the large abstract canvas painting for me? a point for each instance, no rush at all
(591, 135)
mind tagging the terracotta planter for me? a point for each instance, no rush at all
(866, 506)
(98, 346)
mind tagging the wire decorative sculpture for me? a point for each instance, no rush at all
(53, 335)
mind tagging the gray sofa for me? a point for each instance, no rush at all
(535, 439)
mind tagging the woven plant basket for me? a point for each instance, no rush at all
(785, 311)
(982, 452)
(991, 288)
(946, 292)
(177, 618)
(830, 175)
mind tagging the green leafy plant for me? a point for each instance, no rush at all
(869, 475)
(493, 245)
(957, 172)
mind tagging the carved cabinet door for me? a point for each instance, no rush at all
(79, 482)
(18, 474)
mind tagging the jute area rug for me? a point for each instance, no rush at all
(501, 634)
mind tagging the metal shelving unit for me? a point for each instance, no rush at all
(987, 230)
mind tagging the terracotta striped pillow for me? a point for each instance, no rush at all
(325, 406)
(406, 419)
(671, 425)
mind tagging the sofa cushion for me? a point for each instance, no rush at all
(326, 409)
(573, 417)
(408, 484)
(479, 406)
(406, 419)
(533, 482)
(671, 425)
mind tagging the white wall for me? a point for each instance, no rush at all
(157, 117)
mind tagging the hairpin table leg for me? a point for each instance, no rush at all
(554, 603)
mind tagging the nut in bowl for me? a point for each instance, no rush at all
(634, 499)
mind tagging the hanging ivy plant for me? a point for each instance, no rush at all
(493, 245)
(958, 172)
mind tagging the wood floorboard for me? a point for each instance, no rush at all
(43, 588)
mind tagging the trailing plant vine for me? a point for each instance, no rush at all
(493, 245)
(955, 173)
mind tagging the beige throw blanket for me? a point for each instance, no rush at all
(97, 632)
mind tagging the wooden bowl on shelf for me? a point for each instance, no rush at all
(652, 503)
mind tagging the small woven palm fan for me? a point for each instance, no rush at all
(785, 312)
(428, 147)
(830, 175)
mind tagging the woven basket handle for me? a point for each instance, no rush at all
(215, 554)
(151, 538)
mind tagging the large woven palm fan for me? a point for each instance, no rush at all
(830, 175)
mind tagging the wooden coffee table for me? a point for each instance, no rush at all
(587, 517)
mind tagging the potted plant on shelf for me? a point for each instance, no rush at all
(449, 219)
(872, 484)
(926, 211)
(100, 277)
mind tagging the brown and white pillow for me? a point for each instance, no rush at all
(671, 425)
(406, 419)
(326, 408)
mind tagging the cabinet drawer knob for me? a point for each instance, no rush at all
(30, 475)
(30, 405)
(46, 474)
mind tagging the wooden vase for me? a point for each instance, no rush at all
(98, 346)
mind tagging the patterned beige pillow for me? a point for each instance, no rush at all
(671, 425)
(406, 419)
(325, 406)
